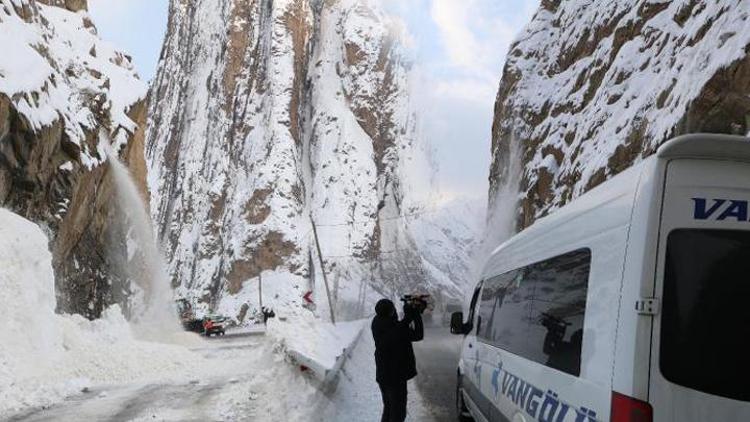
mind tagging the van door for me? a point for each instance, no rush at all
(700, 359)
(470, 377)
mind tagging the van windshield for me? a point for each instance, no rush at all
(705, 335)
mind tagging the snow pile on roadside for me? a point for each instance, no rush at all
(320, 346)
(45, 357)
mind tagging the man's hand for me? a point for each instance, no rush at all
(410, 312)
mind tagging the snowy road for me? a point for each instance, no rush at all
(279, 394)
(437, 357)
(192, 400)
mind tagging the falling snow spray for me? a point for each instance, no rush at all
(145, 266)
(502, 211)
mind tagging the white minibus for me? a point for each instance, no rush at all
(631, 303)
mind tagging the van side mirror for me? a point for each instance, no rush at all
(457, 324)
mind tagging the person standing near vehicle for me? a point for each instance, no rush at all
(394, 355)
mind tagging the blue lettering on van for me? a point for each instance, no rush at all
(585, 415)
(495, 378)
(540, 405)
(720, 209)
(535, 399)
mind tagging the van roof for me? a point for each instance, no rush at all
(704, 145)
(602, 208)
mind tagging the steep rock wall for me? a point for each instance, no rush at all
(265, 113)
(590, 87)
(59, 85)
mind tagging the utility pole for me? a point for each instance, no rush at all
(322, 268)
(260, 290)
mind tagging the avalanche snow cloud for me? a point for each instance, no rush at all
(265, 114)
(590, 87)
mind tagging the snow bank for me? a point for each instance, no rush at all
(45, 357)
(320, 346)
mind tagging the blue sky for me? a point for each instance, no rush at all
(136, 27)
(460, 48)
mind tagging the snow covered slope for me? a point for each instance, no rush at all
(59, 84)
(590, 87)
(264, 114)
(450, 242)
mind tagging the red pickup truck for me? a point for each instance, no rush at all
(214, 325)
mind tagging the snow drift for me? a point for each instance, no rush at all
(44, 356)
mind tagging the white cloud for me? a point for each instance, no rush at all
(470, 90)
(454, 19)
(476, 34)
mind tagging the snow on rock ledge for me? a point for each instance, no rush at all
(55, 67)
(590, 87)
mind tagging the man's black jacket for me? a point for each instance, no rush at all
(394, 356)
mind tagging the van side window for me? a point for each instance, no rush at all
(537, 312)
(505, 307)
(556, 324)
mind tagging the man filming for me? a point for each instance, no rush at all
(394, 356)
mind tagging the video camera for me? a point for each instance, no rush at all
(416, 302)
(555, 326)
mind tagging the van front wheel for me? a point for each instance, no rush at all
(461, 410)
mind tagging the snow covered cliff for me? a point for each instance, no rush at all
(264, 114)
(59, 84)
(590, 87)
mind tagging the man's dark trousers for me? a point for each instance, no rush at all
(394, 401)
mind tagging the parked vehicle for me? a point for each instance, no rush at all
(214, 324)
(628, 304)
(187, 316)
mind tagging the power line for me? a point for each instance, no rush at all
(415, 214)
(359, 256)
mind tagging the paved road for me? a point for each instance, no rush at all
(437, 357)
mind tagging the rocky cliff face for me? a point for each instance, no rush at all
(590, 87)
(60, 84)
(265, 113)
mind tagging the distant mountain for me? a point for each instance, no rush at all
(59, 85)
(591, 87)
(264, 114)
(450, 243)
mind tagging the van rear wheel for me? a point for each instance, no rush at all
(461, 410)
